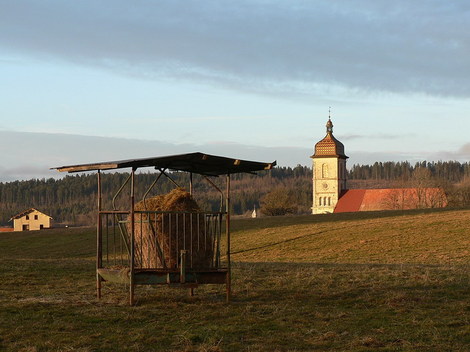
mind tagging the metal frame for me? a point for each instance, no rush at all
(183, 275)
(132, 272)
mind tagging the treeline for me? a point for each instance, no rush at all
(451, 171)
(73, 199)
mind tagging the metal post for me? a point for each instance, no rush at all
(191, 183)
(183, 253)
(99, 249)
(132, 259)
(227, 230)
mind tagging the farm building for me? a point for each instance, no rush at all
(330, 193)
(31, 219)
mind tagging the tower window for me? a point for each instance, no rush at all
(324, 170)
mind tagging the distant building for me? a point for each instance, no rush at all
(330, 193)
(254, 214)
(31, 219)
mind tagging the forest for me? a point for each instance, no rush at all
(71, 200)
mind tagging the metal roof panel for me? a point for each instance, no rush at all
(198, 163)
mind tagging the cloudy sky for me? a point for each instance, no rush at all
(86, 81)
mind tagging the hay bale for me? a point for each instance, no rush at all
(159, 237)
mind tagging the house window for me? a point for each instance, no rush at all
(25, 227)
(27, 217)
(35, 217)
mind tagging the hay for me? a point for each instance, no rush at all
(159, 238)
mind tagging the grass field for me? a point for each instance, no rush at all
(351, 282)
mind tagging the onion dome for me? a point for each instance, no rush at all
(329, 146)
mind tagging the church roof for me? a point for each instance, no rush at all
(390, 198)
(329, 146)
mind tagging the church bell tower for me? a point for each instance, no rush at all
(329, 172)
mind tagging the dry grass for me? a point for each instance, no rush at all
(158, 233)
(380, 283)
(434, 238)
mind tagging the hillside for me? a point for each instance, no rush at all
(419, 237)
(391, 281)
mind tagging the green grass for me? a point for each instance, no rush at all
(346, 282)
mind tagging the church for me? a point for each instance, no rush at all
(331, 195)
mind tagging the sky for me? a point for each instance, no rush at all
(87, 81)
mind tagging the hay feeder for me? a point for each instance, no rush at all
(166, 239)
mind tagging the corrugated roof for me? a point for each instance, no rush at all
(198, 163)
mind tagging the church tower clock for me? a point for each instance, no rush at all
(329, 172)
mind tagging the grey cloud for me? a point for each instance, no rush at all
(292, 47)
(379, 136)
(22, 172)
(41, 151)
(462, 154)
(465, 150)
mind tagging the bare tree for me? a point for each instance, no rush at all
(278, 202)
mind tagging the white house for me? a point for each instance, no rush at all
(31, 219)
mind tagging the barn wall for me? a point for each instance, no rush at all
(34, 220)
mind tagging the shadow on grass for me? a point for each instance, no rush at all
(276, 306)
(241, 224)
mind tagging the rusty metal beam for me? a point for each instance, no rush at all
(227, 229)
(99, 241)
(161, 277)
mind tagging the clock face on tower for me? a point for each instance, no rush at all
(325, 185)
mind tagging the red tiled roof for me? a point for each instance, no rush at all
(350, 201)
(329, 146)
(390, 198)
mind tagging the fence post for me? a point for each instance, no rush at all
(132, 258)
(227, 230)
(99, 249)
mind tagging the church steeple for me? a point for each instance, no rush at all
(329, 171)
(329, 126)
(329, 146)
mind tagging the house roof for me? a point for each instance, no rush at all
(329, 146)
(390, 198)
(198, 163)
(26, 212)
